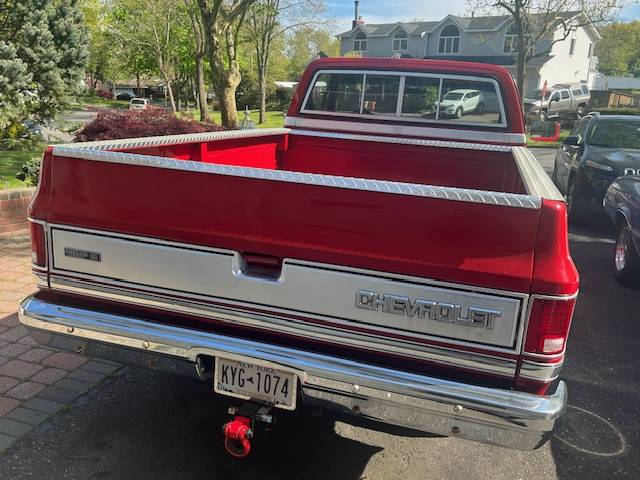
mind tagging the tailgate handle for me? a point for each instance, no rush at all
(256, 266)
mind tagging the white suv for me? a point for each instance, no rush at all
(461, 101)
(139, 104)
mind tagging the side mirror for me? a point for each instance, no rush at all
(572, 141)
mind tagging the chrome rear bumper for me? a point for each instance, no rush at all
(489, 415)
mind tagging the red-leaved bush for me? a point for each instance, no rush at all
(113, 124)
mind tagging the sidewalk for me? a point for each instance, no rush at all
(35, 382)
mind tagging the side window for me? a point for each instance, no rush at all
(420, 97)
(336, 92)
(381, 94)
(577, 92)
(555, 96)
(564, 94)
(585, 90)
(484, 109)
(581, 127)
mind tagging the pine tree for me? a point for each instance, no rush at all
(43, 50)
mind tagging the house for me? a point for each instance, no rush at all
(489, 39)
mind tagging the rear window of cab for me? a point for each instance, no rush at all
(407, 96)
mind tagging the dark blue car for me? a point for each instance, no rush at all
(622, 204)
(599, 149)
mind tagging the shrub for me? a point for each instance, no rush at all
(104, 94)
(114, 124)
(30, 171)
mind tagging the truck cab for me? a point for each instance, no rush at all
(561, 100)
(377, 256)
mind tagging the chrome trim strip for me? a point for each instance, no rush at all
(543, 372)
(406, 130)
(504, 417)
(535, 179)
(278, 323)
(127, 143)
(333, 181)
(121, 285)
(404, 141)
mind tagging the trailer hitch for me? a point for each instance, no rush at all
(241, 428)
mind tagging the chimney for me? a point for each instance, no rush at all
(357, 19)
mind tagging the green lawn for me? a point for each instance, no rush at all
(10, 164)
(274, 119)
(90, 101)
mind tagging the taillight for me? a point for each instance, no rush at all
(38, 245)
(548, 326)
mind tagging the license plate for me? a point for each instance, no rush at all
(255, 382)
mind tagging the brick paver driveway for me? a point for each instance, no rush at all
(35, 382)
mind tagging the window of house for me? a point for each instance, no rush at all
(511, 40)
(420, 97)
(381, 94)
(572, 46)
(590, 50)
(449, 40)
(336, 92)
(360, 42)
(400, 40)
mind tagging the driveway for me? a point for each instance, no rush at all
(144, 425)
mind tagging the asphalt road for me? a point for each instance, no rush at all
(145, 425)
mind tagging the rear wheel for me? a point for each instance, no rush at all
(459, 112)
(625, 258)
(480, 108)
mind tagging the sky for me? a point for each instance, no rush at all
(387, 11)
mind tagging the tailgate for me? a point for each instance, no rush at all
(364, 256)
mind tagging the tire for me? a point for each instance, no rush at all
(480, 108)
(626, 263)
(459, 112)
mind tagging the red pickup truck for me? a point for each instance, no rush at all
(395, 253)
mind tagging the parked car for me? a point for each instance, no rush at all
(125, 96)
(598, 150)
(139, 104)
(461, 101)
(389, 267)
(622, 204)
(562, 100)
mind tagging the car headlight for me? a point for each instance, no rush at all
(599, 166)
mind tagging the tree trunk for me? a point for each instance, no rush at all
(171, 98)
(262, 79)
(202, 89)
(521, 77)
(228, 109)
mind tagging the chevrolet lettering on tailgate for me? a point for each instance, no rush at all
(441, 312)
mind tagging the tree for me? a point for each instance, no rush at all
(151, 29)
(221, 21)
(268, 20)
(43, 54)
(540, 24)
(304, 45)
(199, 54)
(619, 50)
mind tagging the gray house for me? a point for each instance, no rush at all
(480, 39)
